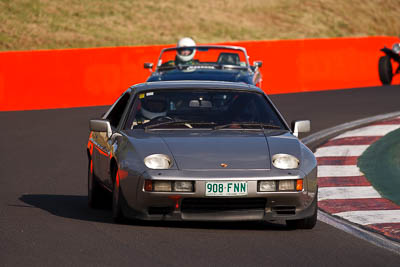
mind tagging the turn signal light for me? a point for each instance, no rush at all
(299, 185)
(148, 185)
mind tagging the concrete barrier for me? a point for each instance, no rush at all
(97, 76)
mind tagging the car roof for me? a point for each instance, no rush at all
(180, 84)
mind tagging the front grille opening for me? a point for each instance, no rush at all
(222, 204)
(159, 210)
(284, 210)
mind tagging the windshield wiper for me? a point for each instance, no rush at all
(161, 123)
(182, 66)
(161, 68)
(229, 66)
(245, 125)
(187, 123)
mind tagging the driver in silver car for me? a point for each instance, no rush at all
(150, 108)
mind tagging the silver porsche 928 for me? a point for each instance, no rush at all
(201, 151)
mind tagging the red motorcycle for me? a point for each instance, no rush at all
(385, 63)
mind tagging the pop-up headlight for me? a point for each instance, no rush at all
(158, 161)
(285, 161)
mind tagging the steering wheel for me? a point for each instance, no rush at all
(161, 118)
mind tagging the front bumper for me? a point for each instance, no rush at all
(195, 206)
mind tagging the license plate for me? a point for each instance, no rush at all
(226, 189)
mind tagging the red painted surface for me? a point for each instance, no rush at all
(353, 140)
(388, 229)
(337, 160)
(343, 181)
(88, 77)
(342, 205)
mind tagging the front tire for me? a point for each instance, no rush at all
(306, 223)
(385, 70)
(96, 193)
(117, 213)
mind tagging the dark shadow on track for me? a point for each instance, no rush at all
(251, 226)
(75, 207)
(68, 206)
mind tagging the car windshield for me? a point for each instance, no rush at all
(202, 57)
(204, 109)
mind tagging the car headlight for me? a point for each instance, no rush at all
(183, 186)
(285, 161)
(158, 161)
(286, 185)
(396, 48)
(162, 186)
(266, 186)
(168, 186)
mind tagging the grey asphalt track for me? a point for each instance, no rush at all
(45, 221)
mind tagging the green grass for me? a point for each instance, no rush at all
(47, 24)
(380, 164)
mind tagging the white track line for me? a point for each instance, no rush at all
(373, 130)
(365, 217)
(341, 151)
(338, 171)
(348, 192)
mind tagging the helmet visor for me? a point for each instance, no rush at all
(154, 104)
(184, 51)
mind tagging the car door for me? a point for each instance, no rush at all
(103, 154)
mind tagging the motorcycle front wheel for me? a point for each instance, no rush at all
(385, 70)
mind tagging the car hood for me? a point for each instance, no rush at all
(193, 150)
(202, 74)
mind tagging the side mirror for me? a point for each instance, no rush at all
(100, 126)
(301, 126)
(257, 64)
(148, 66)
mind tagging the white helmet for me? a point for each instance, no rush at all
(396, 48)
(153, 107)
(185, 54)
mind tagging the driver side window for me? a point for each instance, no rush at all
(116, 113)
(145, 108)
